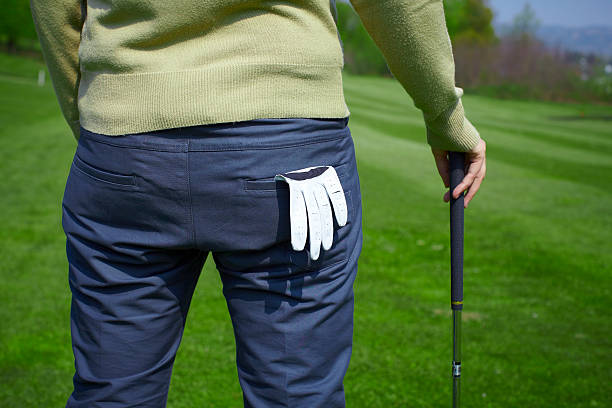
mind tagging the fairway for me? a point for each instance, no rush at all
(538, 260)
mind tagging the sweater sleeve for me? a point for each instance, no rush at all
(58, 25)
(413, 37)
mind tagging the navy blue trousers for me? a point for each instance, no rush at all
(141, 213)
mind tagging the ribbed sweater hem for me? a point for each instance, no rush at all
(117, 104)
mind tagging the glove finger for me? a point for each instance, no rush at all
(336, 195)
(314, 222)
(327, 222)
(297, 215)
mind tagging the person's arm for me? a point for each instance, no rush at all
(414, 40)
(58, 25)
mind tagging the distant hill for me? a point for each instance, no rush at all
(592, 39)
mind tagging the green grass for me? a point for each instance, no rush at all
(18, 68)
(538, 261)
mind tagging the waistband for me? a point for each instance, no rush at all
(262, 133)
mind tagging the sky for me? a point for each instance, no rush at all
(571, 13)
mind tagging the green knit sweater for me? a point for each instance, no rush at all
(130, 66)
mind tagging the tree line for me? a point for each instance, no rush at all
(514, 64)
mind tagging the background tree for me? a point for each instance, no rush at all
(16, 25)
(525, 23)
(471, 31)
(469, 21)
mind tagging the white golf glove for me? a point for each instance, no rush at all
(310, 191)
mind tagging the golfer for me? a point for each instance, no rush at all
(220, 128)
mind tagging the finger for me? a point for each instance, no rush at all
(336, 195)
(327, 221)
(446, 197)
(442, 165)
(468, 179)
(314, 223)
(483, 169)
(465, 183)
(472, 191)
(474, 187)
(297, 211)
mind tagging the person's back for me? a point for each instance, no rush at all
(140, 66)
(212, 126)
(154, 65)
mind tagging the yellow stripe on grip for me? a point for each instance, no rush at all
(457, 303)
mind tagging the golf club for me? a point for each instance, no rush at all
(457, 164)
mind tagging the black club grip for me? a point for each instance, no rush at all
(457, 172)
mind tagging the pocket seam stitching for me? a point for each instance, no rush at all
(80, 165)
(265, 180)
